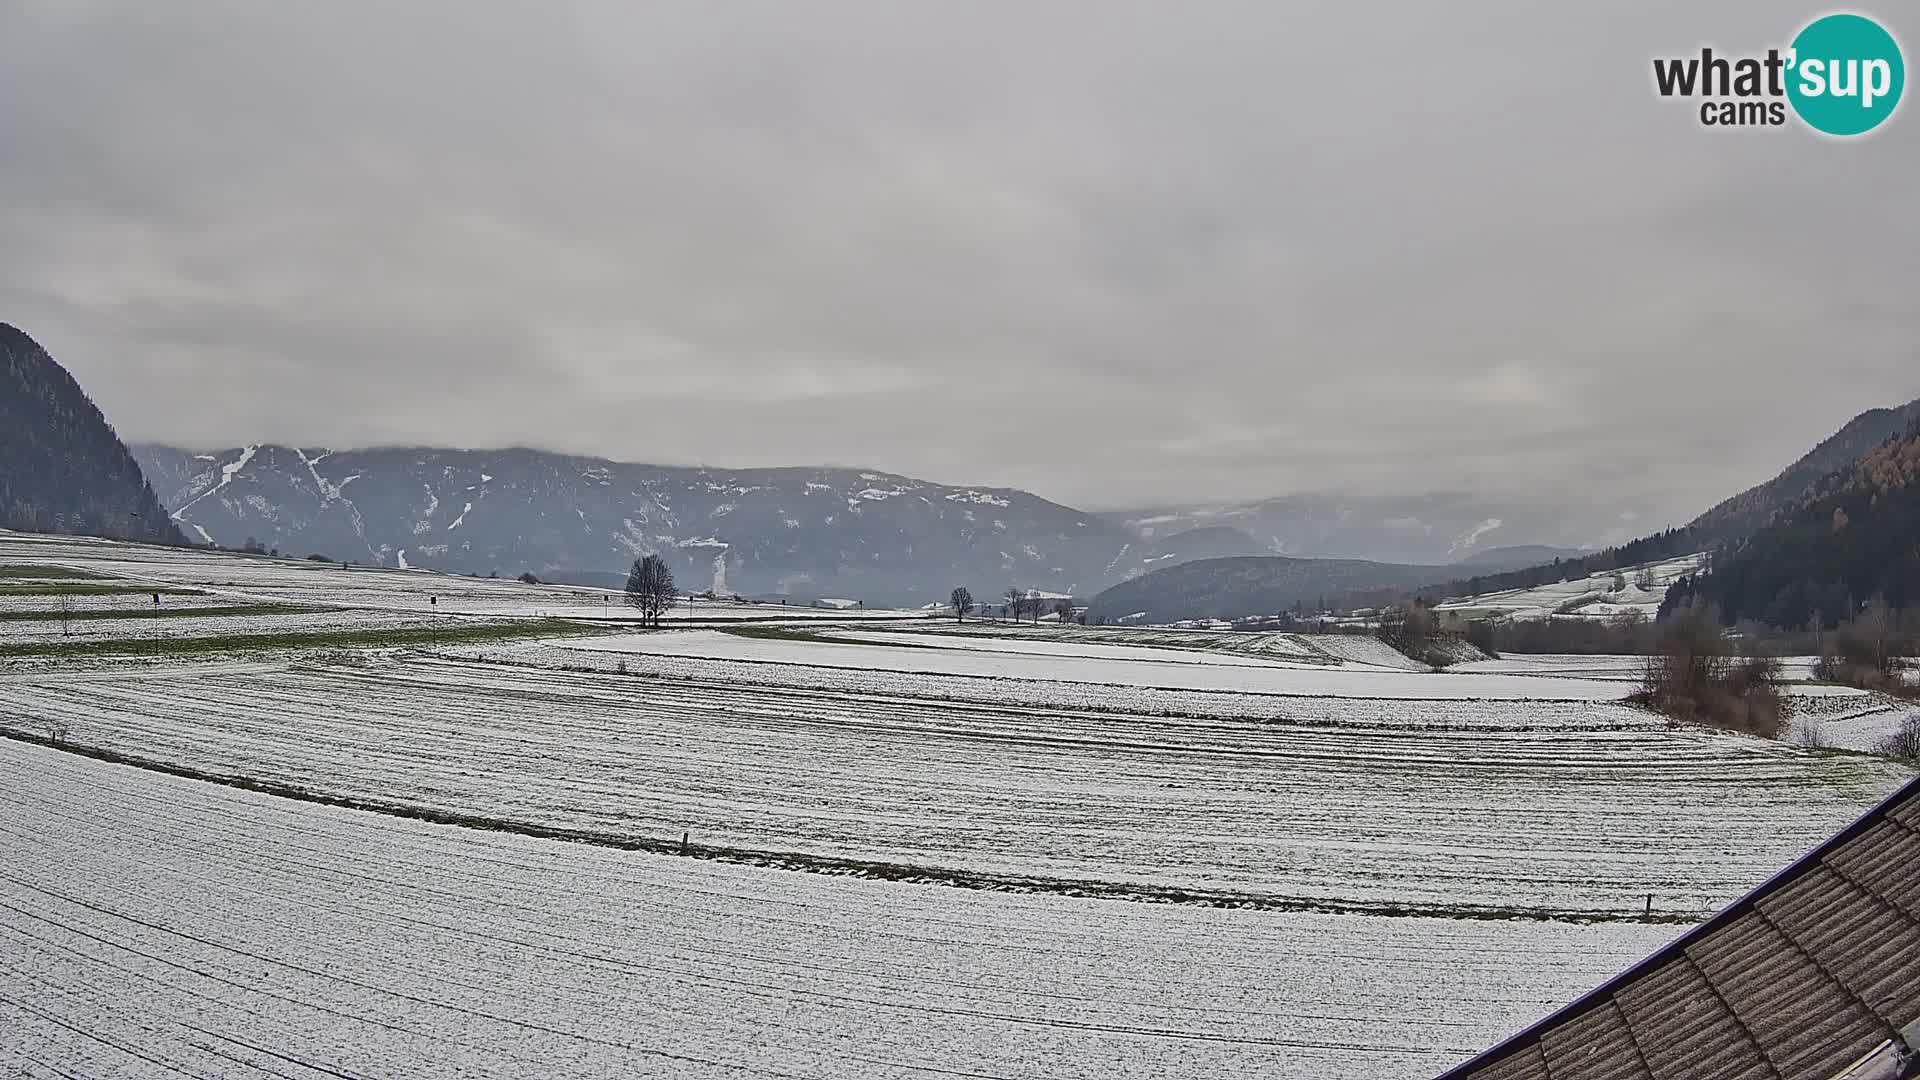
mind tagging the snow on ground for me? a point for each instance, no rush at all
(1021, 645)
(1592, 596)
(1364, 649)
(194, 626)
(150, 924)
(1433, 714)
(155, 926)
(132, 601)
(1272, 645)
(1604, 666)
(1495, 816)
(1818, 714)
(1856, 721)
(228, 578)
(1167, 673)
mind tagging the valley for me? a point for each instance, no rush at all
(781, 825)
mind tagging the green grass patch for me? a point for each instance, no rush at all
(160, 613)
(372, 637)
(45, 570)
(93, 588)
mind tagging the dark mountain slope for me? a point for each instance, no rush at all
(1207, 542)
(1215, 588)
(805, 532)
(1520, 555)
(62, 468)
(1852, 537)
(1745, 513)
(1729, 522)
(1424, 529)
(1259, 585)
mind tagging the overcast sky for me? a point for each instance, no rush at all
(1117, 254)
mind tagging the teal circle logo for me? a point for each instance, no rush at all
(1845, 74)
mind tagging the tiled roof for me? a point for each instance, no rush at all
(1815, 974)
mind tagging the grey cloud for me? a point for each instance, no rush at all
(1114, 253)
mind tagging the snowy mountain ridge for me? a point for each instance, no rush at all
(799, 531)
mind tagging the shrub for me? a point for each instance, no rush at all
(1694, 676)
(1414, 632)
(1903, 741)
(1870, 653)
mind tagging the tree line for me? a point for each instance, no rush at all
(1019, 605)
(1851, 543)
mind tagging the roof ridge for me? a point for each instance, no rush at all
(1600, 995)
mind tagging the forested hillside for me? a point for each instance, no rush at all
(1853, 538)
(62, 468)
(1743, 514)
(1731, 521)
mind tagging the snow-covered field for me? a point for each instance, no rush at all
(194, 626)
(1851, 721)
(1495, 816)
(1102, 664)
(117, 602)
(1591, 597)
(1602, 666)
(1437, 713)
(1079, 650)
(1285, 646)
(154, 926)
(1169, 645)
(1314, 804)
(228, 578)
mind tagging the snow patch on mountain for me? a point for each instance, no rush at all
(1472, 536)
(980, 497)
(227, 473)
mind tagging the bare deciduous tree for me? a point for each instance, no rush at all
(1063, 607)
(1411, 630)
(962, 601)
(1694, 674)
(1903, 741)
(650, 588)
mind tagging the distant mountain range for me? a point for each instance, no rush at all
(1517, 556)
(879, 537)
(1425, 529)
(817, 532)
(62, 468)
(1814, 573)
